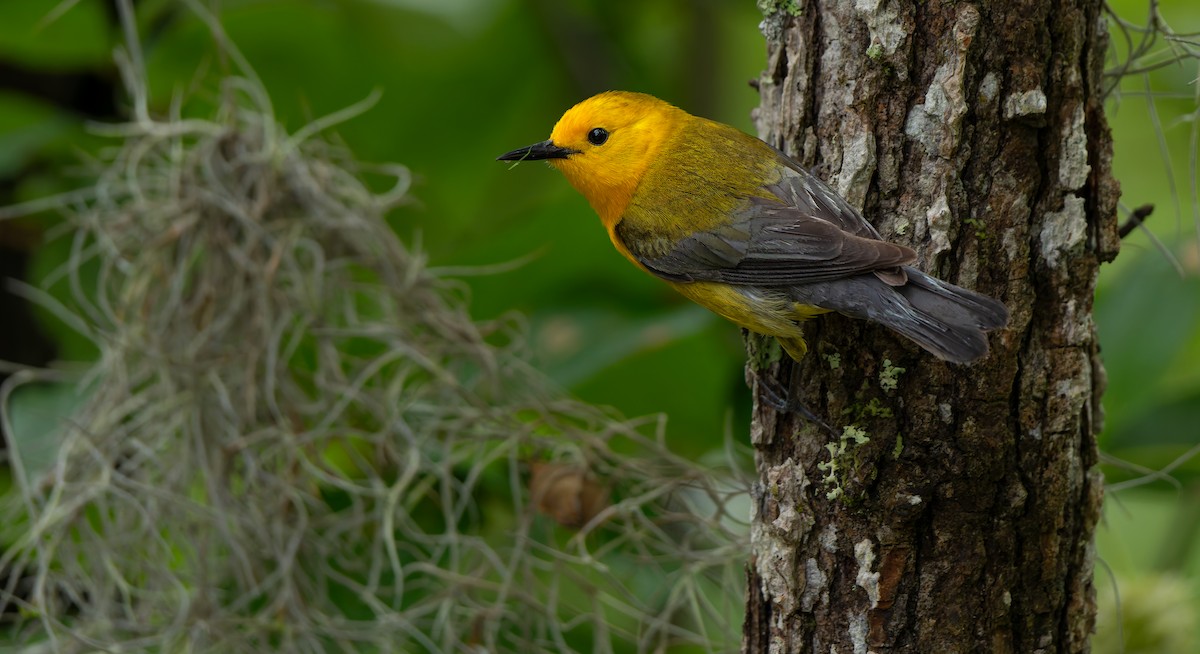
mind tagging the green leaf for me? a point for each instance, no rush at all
(589, 341)
(1149, 326)
(36, 417)
(55, 35)
(1171, 421)
(26, 127)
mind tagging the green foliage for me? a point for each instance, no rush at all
(1151, 344)
(295, 438)
(1156, 615)
(1147, 601)
(1149, 325)
(450, 104)
(54, 36)
(34, 414)
(1146, 307)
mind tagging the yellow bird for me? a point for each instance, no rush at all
(738, 227)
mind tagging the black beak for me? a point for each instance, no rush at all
(543, 150)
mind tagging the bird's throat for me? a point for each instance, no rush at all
(609, 196)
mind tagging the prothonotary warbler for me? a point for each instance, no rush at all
(737, 226)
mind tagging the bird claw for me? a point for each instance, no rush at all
(782, 401)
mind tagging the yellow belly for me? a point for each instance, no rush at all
(763, 312)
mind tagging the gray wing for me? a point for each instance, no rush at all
(803, 233)
(800, 189)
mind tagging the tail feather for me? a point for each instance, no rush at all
(949, 321)
(953, 342)
(952, 303)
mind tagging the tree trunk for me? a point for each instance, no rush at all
(957, 514)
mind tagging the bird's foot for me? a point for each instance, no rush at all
(782, 400)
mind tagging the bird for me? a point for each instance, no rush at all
(737, 226)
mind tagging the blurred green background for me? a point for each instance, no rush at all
(465, 80)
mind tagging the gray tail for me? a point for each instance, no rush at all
(949, 321)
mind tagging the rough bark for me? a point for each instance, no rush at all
(963, 520)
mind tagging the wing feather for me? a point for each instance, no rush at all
(799, 232)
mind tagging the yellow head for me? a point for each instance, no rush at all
(605, 144)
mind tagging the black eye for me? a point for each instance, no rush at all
(597, 136)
